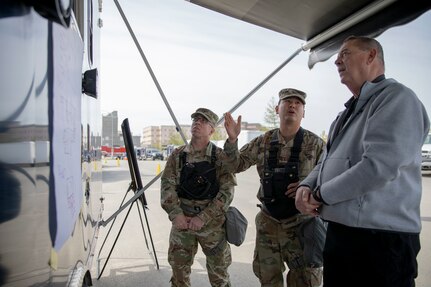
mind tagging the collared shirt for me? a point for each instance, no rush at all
(350, 106)
(346, 114)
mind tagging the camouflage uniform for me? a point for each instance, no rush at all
(276, 240)
(183, 244)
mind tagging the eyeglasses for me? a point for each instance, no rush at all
(346, 53)
(200, 119)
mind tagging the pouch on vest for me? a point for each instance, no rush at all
(282, 206)
(198, 180)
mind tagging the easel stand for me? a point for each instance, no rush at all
(139, 195)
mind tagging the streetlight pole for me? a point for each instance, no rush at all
(112, 135)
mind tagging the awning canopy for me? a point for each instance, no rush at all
(323, 24)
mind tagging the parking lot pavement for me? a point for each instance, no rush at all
(131, 263)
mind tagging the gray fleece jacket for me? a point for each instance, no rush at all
(370, 176)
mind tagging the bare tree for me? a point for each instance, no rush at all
(271, 118)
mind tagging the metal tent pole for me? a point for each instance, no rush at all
(150, 70)
(263, 82)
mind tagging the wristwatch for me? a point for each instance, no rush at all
(316, 194)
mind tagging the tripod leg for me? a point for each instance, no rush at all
(115, 242)
(112, 224)
(151, 238)
(142, 225)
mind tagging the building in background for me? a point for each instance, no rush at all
(161, 136)
(164, 135)
(112, 136)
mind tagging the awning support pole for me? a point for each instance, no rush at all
(246, 97)
(153, 76)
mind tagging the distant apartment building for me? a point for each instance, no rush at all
(156, 136)
(161, 136)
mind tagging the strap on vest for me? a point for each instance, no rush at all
(272, 161)
(296, 149)
(183, 157)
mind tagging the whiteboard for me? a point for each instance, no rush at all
(66, 130)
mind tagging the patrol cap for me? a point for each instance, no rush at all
(208, 114)
(289, 93)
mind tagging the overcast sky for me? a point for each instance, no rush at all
(205, 59)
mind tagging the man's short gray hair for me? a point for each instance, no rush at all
(367, 43)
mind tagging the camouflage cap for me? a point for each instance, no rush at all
(288, 93)
(208, 114)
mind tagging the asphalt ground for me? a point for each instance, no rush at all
(132, 262)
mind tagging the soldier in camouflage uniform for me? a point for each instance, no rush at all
(196, 192)
(283, 157)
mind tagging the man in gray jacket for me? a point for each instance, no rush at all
(367, 184)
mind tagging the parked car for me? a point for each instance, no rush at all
(140, 154)
(158, 155)
(154, 154)
(426, 153)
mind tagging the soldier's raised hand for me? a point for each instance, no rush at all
(233, 128)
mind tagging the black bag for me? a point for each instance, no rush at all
(236, 226)
(312, 236)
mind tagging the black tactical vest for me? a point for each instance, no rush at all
(198, 180)
(277, 177)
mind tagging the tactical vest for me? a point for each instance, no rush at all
(276, 178)
(198, 180)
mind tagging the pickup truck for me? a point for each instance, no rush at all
(152, 153)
